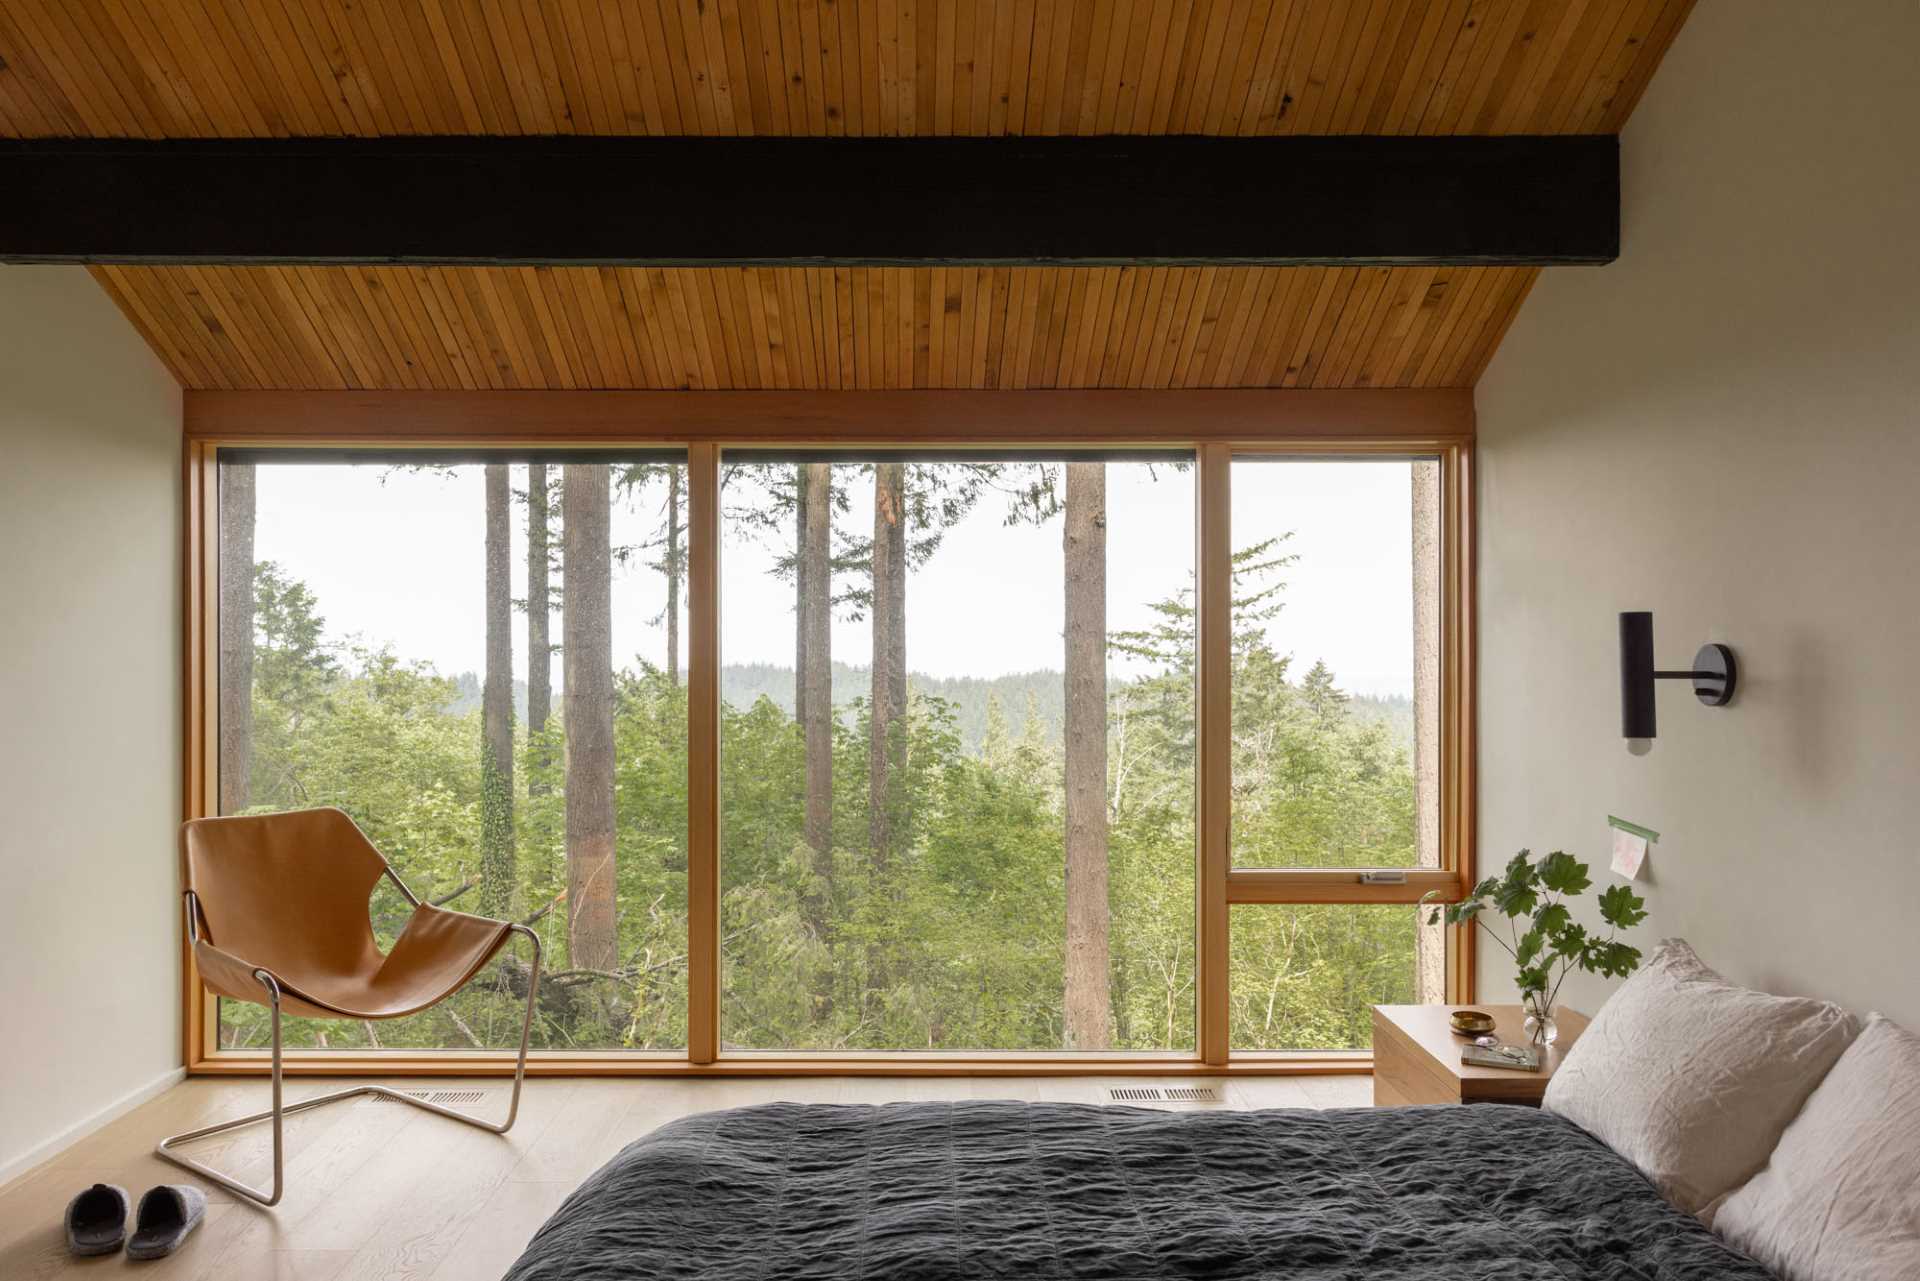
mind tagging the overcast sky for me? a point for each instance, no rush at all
(397, 558)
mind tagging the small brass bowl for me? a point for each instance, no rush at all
(1471, 1022)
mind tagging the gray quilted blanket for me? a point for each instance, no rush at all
(974, 1190)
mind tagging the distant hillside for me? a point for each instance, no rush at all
(466, 696)
(1396, 710)
(742, 685)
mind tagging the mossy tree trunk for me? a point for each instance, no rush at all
(888, 706)
(587, 657)
(539, 617)
(497, 871)
(674, 561)
(237, 488)
(813, 689)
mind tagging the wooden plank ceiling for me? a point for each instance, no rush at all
(262, 68)
(456, 327)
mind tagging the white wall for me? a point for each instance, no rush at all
(1724, 427)
(90, 512)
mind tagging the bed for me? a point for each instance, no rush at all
(967, 1191)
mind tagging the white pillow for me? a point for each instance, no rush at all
(1840, 1197)
(1692, 1078)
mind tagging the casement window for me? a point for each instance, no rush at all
(857, 756)
(1336, 744)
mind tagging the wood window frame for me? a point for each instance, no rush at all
(1216, 425)
(1248, 886)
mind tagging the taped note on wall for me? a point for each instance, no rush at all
(1630, 842)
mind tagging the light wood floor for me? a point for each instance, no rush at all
(377, 1189)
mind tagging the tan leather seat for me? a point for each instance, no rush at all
(278, 915)
(288, 893)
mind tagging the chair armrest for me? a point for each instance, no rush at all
(227, 974)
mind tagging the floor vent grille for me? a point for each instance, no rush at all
(442, 1097)
(1168, 1094)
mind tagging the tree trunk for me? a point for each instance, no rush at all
(886, 749)
(587, 658)
(1430, 941)
(236, 636)
(496, 705)
(539, 641)
(801, 570)
(813, 671)
(889, 698)
(1089, 1010)
(673, 574)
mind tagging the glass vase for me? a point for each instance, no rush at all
(1539, 1026)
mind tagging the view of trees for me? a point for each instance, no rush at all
(908, 862)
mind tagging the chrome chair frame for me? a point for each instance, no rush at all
(280, 1110)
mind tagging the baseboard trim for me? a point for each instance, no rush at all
(12, 1168)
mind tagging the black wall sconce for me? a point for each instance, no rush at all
(1713, 675)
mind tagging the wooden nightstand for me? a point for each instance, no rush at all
(1416, 1057)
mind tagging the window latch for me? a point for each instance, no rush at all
(1383, 878)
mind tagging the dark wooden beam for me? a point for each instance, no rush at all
(1312, 201)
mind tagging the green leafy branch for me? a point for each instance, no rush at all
(1543, 939)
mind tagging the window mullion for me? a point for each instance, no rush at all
(1213, 642)
(703, 753)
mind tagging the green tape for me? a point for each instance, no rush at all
(1646, 832)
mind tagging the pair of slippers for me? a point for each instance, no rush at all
(97, 1220)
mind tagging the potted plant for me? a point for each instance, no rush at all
(1546, 943)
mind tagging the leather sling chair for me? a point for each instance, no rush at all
(277, 911)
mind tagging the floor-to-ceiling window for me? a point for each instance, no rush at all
(480, 659)
(955, 736)
(957, 752)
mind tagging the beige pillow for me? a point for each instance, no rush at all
(1692, 1078)
(1840, 1197)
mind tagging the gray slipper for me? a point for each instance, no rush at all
(168, 1214)
(97, 1220)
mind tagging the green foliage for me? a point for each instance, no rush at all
(1564, 874)
(1304, 977)
(1553, 919)
(291, 662)
(1621, 908)
(1531, 944)
(958, 941)
(1552, 943)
